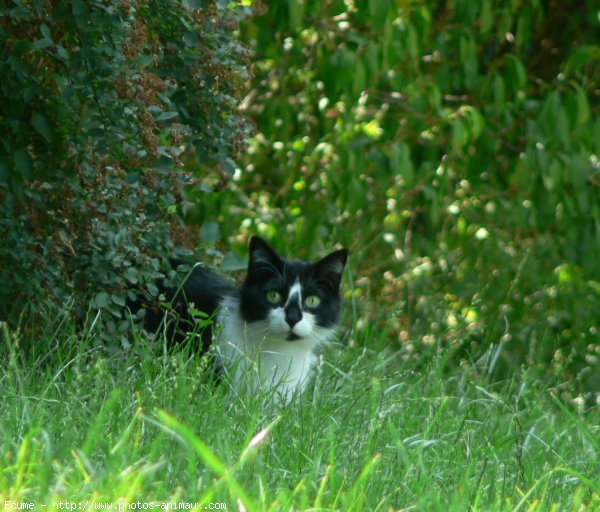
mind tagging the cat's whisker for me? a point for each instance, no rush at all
(267, 331)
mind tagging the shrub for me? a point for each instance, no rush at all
(101, 102)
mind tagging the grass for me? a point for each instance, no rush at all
(374, 433)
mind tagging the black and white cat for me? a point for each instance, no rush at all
(266, 332)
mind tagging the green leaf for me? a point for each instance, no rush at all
(23, 164)
(579, 168)
(229, 166)
(485, 18)
(233, 261)
(378, 10)
(62, 52)
(523, 32)
(517, 72)
(209, 232)
(42, 126)
(372, 59)
(460, 135)
(164, 163)
(152, 289)
(498, 93)
(101, 300)
(164, 116)
(562, 127)
(401, 163)
(17, 186)
(360, 77)
(131, 274)
(552, 175)
(296, 10)
(43, 43)
(79, 7)
(20, 12)
(119, 300)
(522, 173)
(191, 37)
(3, 173)
(583, 105)
(580, 56)
(143, 60)
(412, 43)
(476, 120)
(45, 30)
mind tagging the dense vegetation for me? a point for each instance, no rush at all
(99, 102)
(452, 146)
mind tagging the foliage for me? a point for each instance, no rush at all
(84, 428)
(453, 146)
(99, 100)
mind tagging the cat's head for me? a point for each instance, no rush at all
(294, 299)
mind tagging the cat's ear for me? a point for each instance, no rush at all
(260, 252)
(332, 266)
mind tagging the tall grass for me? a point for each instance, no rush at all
(372, 433)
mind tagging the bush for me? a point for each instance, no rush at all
(101, 102)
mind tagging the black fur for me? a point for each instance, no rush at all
(204, 291)
(267, 272)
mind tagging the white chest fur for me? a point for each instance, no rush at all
(258, 355)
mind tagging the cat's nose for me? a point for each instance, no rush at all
(293, 315)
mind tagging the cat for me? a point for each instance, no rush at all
(267, 331)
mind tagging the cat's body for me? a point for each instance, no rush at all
(267, 331)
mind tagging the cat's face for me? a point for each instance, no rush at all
(295, 300)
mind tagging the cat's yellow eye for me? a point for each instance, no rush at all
(274, 296)
(312, 301)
